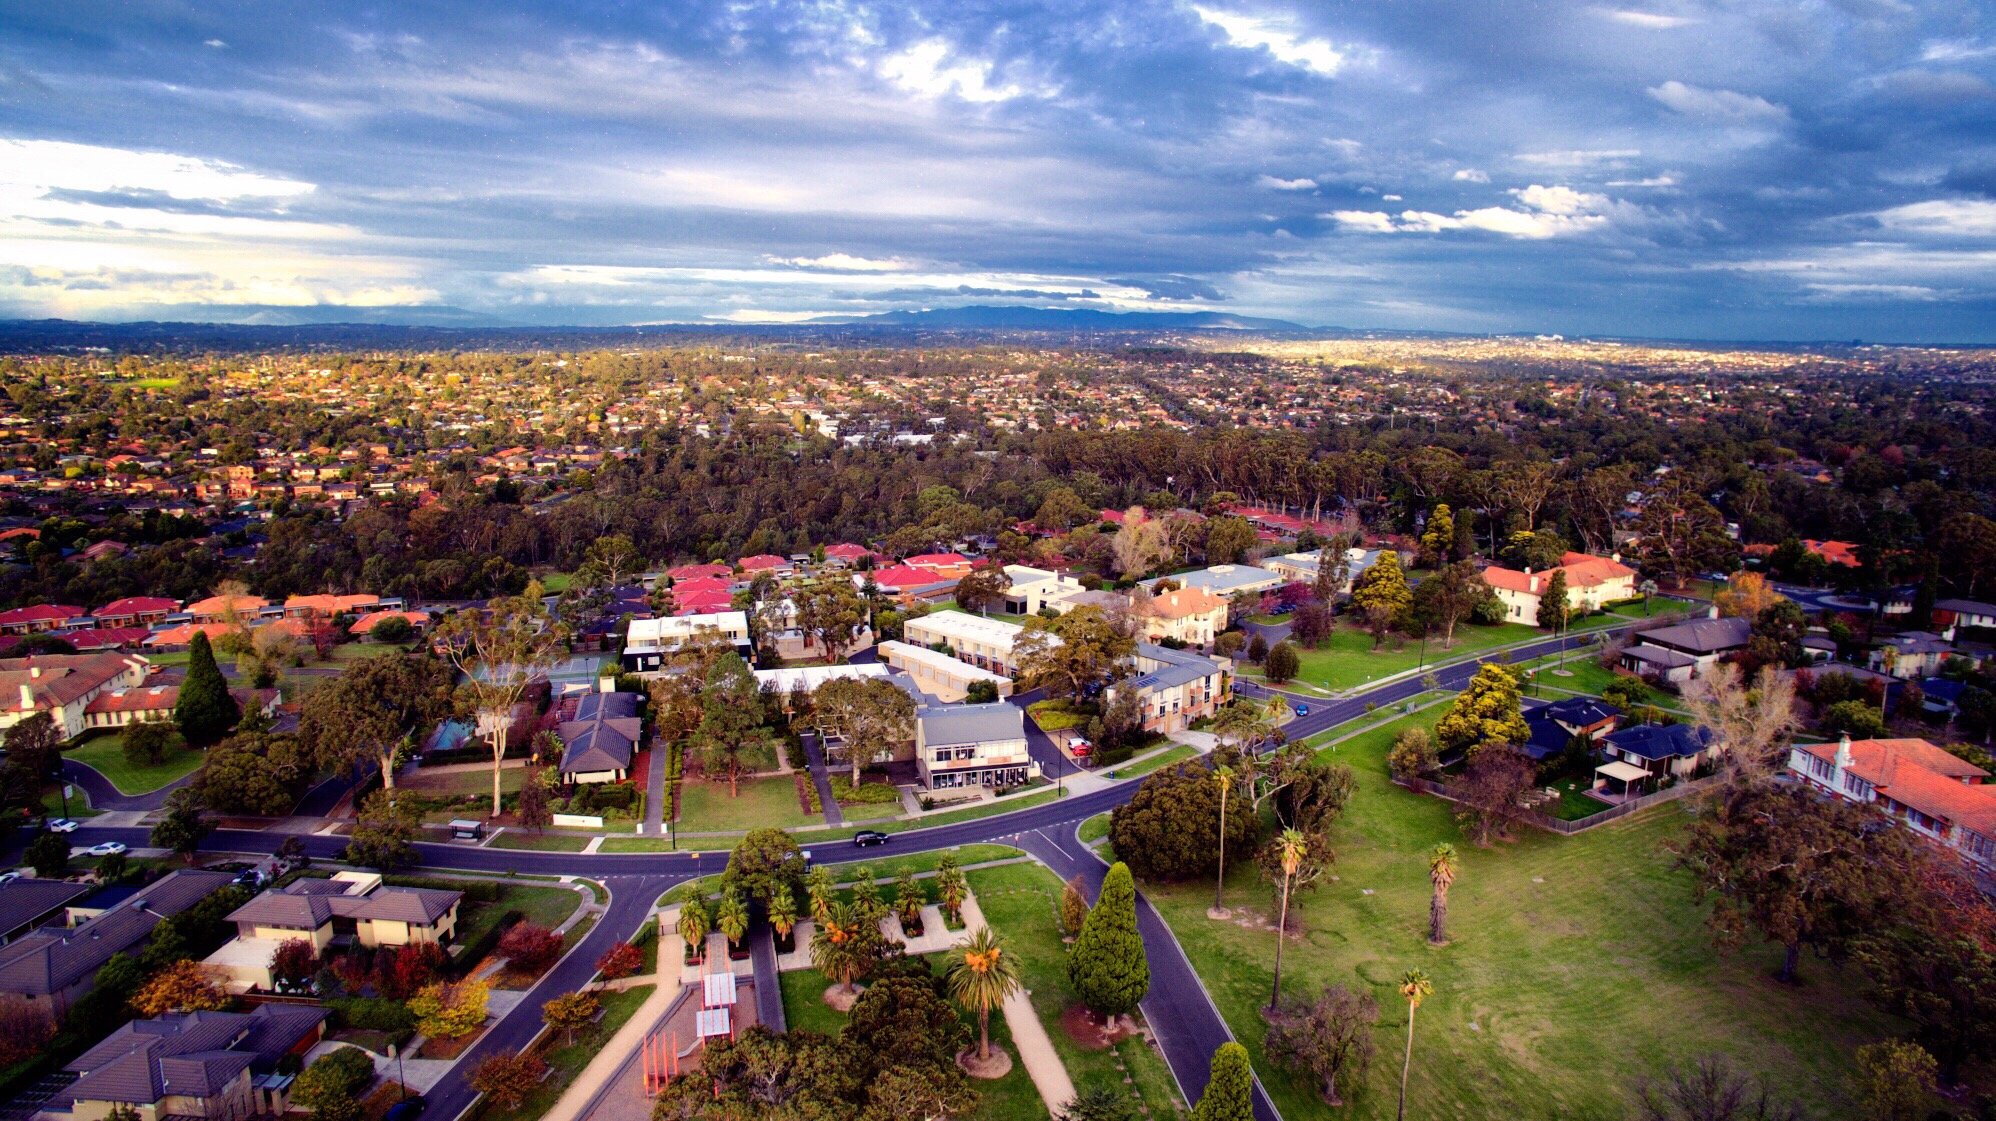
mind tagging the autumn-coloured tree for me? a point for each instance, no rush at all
(1073, 906)
(507, 1079)
(620, 961)
(530, 947)
(1746, 594)
(1492, 792)
(404, 971)
(449, 1009)
(569, 1012)
(294, 961)
(184, 986)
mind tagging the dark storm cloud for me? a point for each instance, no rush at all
(1752, 168)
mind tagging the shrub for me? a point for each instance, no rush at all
(866, 793)
(340, 1073)
(508, 1079)
(1412, 755)
(371, 1013)
(450, 1009)
(1281, 664)
(147, 742)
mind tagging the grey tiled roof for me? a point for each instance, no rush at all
(44, 962)
(1703, 636)
(27, 901)
(309, 904)
(196, 1054)
(1174, 667)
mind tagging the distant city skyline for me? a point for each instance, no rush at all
(1757, 170)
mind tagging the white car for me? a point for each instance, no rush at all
(9, 877)
(108, 848)
(62, 825)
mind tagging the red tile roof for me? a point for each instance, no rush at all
(1918, 775)
(39, 613)
(696, 571)
(1836, 552)
(137, 605)
(763, 562)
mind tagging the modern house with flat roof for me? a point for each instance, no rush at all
(984, 643)
(649, 642)
(1227, 580)
(972, 745)
(941, 676)
(1029, 589)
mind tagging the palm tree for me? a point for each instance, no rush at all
(1415, 986)
(820, 887)
(693, 925)
(1441, 873)
(732, 919)
(783, 911)
(865, 893)
(1290, 849)
(835, 945)
(1224, 775)
(950, 886)
(981, 975)
(1646, 589)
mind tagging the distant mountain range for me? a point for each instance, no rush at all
(1064, 319)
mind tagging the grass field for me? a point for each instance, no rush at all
(706, 807)
(1021, 902)
(458, 783)
(1094, 829)
(79, 803)
(545, 906)
(1011, 1098)
(105, 754)
(1578, 965)
(1347, 659)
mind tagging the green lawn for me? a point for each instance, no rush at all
(105, 753)
(1011, 1098)
(1578, 965)
(79, 803)
(460, 783)
(1094, 829)
(1156, 762)
(1347, 659)
(706, 807)
(565, 1060)
(890, 867)
(545, 906)
(1020, 901)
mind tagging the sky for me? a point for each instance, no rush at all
(1698, 169)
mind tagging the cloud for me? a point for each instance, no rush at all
(842, 262)
(1319, 56)
(1949, 218)
(1275, 184)
(1543, 213)
(1578, 157)
(44, 164)
(1470, 175)
(927, 70)
(215, 43)
(1718, 104)
(1645, 19)
(1957, 50)
(1655, 181)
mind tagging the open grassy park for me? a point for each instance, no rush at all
(705, 806)
(1577, 966)
(105, 754)
(1349, 658)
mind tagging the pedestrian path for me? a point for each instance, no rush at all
(596, 1080)
(655, 795)
(814, 755)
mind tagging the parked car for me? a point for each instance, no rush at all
(250, 878)
(867, 837)
(9, 877)
(108, 848)
(1081, 748)
(408, 1109)
(62, 825)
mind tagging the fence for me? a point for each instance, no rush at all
(1579, 825)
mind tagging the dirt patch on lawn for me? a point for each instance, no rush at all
(1090, 1031)
(997, 1066)
(840, 1000)
(449, 1048)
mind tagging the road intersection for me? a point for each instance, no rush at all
(1181, 1013)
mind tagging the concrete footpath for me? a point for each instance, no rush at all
(593, 1084)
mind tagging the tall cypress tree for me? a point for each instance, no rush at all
(1107, 966)
(205, 710)
(1229, 1092)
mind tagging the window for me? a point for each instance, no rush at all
(942, 755)
(1859, 789)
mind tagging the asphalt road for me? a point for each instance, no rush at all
(1188, 1025)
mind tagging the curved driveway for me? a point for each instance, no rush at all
(1188, 1025)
